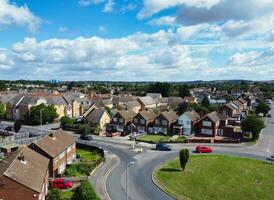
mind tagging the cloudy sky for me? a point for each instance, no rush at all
(137, 40)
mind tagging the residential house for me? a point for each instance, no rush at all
(186, 123)
(240, 105)
(228, 109)
(130, 105)
(163, 123)
(98, 116)
(118, 100)
(243, 101)
(121, 122)
(190, 99)
(147, 102)
(59, 148)
(175, 102)
(24, 175)
(208, 125)
(154, 95)
(143, 121)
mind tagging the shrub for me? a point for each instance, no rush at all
(54, 194)
(79, 169)
(86, 192)
(184, 155)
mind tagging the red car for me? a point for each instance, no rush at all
(203, 149)
(61, 183)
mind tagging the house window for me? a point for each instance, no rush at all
(157, 121)
(220, 132)
(61, 155)
(164, 122)
(136, 120)
(207, 123)
(142, 121)
(69, 149)
(114, 119)
(73, 146)
(206, 131)
(119, 128)
(121, 120)
(62, 168)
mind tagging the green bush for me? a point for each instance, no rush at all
(67, 121)
(79, 169)
(86, 192)
(184, 155)
(54, 194)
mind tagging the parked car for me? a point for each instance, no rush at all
(9, 128)
(269, 115)
(203, 149)
(61, 183)
(86, 137)
(163, 147)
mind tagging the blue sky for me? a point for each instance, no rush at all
(138, 40)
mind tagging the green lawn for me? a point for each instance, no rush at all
(154, 138)
(159, 138)
(211, 177)
(87, 156)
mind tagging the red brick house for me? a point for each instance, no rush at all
(24, 175)
(208, 125)
(228, 109)
(163, 123)
(59, 148)
(143, 121)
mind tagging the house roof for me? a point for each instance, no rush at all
(154, 95)
(213, 116)
(29, 171)
(170, 115)
(194, 116)
(95, 115)
(189, 98)
(132, 104)
(222, 116)
(147, 115)
(242, 100)
(147, 100)
(56, 143)
(238, 103)
(231, 106)
(127, 114)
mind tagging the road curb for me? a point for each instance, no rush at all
(155, 183)
(106, 177)
(97, 167)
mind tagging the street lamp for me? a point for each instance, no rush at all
(128, 164)
(41, 120)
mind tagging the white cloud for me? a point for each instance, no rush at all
(90, 2)
(62, 29)
(11, 14)
(108, 7)
(6, 61)
(163, 21)
(102, 29)
(152, 7)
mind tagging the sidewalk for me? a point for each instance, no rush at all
(99, 177)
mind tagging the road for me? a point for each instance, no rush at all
(140, 184)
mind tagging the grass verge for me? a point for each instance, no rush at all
(210, 177)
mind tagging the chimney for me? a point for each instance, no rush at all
(52, 136)
(21, 157)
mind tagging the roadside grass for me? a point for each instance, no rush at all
(159, 138)
(154, 138)
(87, 156)
(223, 177)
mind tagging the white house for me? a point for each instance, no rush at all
(186, 123)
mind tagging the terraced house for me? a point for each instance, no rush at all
(59, 148)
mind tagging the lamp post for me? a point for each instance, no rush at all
(128, 164)
(41, 120)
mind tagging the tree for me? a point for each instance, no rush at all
(86, 192)
(2, 110)
(67, 122)
(262, 108)
(164, 88)
(48, 114)
(85, 129)
(54, 194)
(95, 128)
(2, 86)
(17, 126)
(254, 125)
(205, 102)
(183, 107)
(184, 155)
(184, 91)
